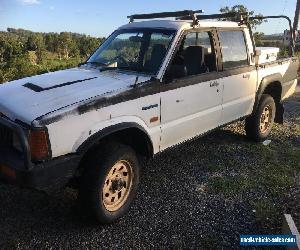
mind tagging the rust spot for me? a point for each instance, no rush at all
(154, 119)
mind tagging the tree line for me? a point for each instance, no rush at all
(26, 53)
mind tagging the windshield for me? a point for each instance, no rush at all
(135, 50)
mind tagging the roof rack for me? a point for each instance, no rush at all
(242, 18)
(239, 17)
(189, 13)
(292, 31)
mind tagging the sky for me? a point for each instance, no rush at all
(100, 17)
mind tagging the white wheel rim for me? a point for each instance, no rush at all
(117, 185)
(265, 119)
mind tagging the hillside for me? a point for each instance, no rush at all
(25, 53)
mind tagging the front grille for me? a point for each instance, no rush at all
(9, 139)
(6, 136)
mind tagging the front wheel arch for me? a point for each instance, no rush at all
(128, 133)
(100, 179)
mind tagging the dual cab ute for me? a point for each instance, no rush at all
(151, 85)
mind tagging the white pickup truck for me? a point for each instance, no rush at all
(151, 85)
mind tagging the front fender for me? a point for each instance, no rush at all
(98, 132)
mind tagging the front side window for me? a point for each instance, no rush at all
(195, 56)
(136, 50)
(234, 52)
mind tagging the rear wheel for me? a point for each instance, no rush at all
(109, 182)
(258, 126)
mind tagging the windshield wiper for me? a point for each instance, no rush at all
(97, 63)
(137, 69)
(108, 68)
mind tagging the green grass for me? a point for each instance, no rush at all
(271, 175)
(275, 171)
(266, 211)
(229, 186)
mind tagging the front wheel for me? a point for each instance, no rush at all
(258, 126)
(109, 182)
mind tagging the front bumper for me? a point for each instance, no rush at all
(17, 168)
(46, 176)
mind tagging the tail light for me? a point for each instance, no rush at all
(39, 144)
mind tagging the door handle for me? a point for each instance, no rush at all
(246, 76)
(214, 84)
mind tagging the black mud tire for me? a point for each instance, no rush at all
(253, 122)
(92, 181)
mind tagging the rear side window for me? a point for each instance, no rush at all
(197, 39)
(234, 50)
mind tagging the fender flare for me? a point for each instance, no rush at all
(277, 77)
(263, 85)
(95, 138)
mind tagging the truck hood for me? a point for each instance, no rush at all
(32, 97)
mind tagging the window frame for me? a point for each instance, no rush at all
(215, 48)
(221, 52)
(197, 36)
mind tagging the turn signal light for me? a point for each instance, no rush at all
(38, 143)
(8, 172)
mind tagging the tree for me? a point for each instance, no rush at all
(50, 41)
(36, 42)
(65, 45)
(88, 45)
(258, 37)
(26, 53)
(10, 47)
(243, 9)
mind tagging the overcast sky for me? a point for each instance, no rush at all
(100, 18)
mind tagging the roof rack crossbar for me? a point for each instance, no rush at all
(189, 13)
(238, 16)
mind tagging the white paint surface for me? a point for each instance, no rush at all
(22, 103)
